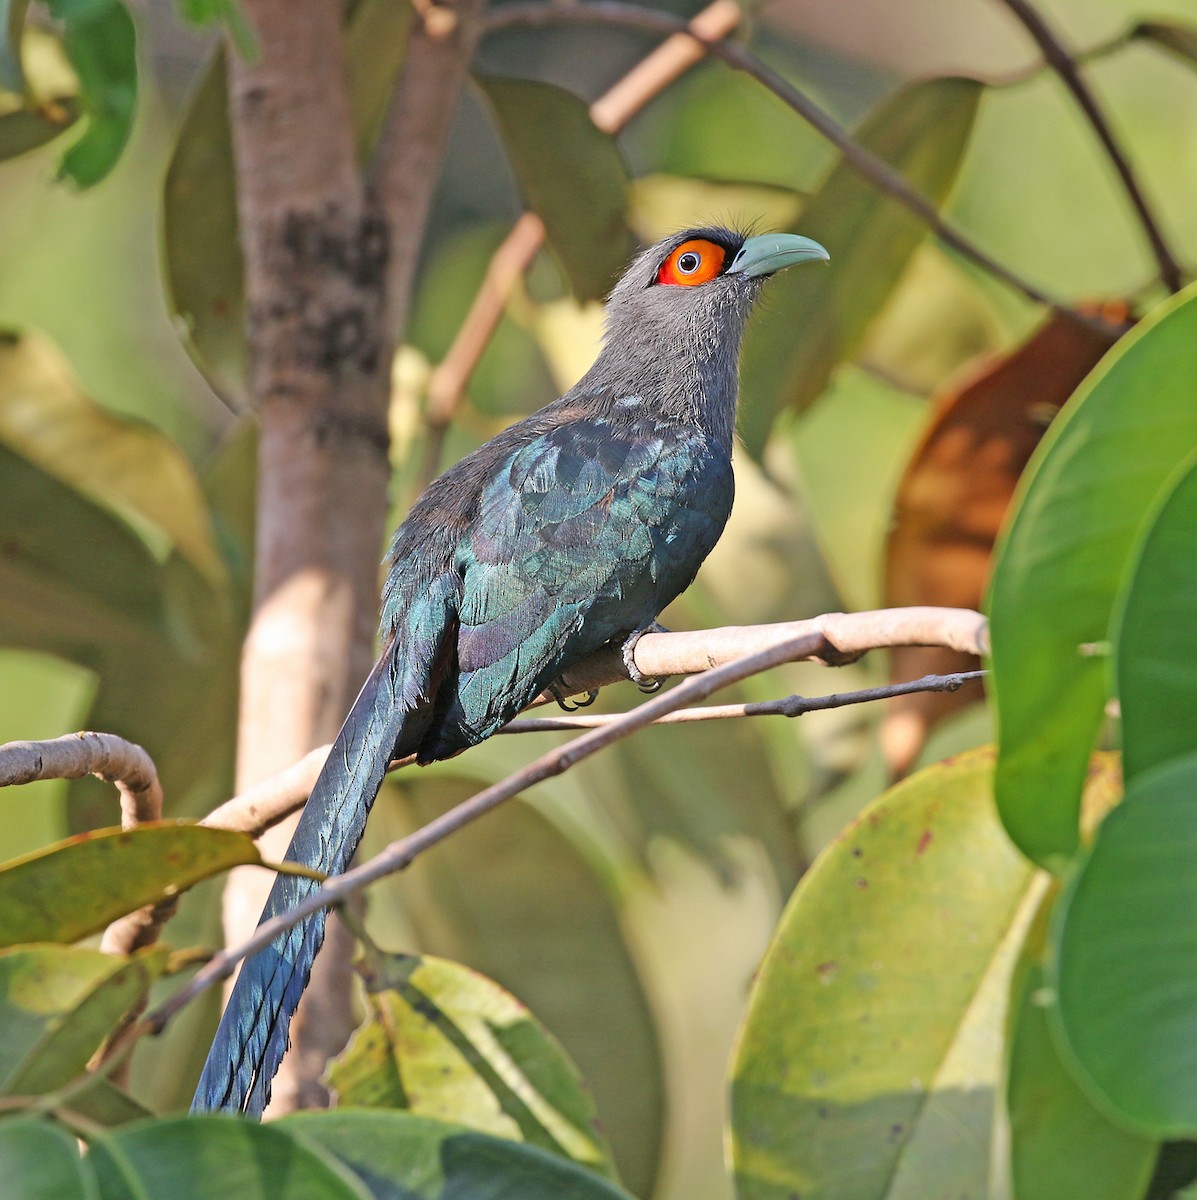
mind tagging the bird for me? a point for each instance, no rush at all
(570, 529)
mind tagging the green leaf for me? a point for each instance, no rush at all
(200, 236)
(130, 468)
(404, 1157)
(57, 1004)
(227, 13)
(869, 1056)
(38, 97)
(211, 1158)
(72, 576)
(1125, 967)
(1061, 1146)
(660, 204)
(106, 1104)
(817, 316)
(376, 48)
(511, 378)
(720, 125)
(40, 1161)
(101, 43)
(443, 1041)
(1058, 566)
(1176, 36)
(515, 899)
(12, 26)
(572, 175)
(107, 556)
(27, 128)
(852, 510)
(1155, 640)
(205, 274)
(183, 709)
(78, 886)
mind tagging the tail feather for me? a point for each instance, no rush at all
(253, 1032)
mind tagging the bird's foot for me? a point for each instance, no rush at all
(645, 683)
(564, 702)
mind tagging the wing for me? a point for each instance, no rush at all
(582, 534)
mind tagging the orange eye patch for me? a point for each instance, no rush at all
(695, 261)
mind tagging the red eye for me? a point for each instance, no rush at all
(695, 261)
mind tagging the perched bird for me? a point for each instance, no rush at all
(570, 529)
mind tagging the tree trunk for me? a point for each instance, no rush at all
(327, 282)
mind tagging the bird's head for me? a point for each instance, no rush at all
(707, 276)
(675, 319)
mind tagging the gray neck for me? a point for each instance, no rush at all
(695, 381)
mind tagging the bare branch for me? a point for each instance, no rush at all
(407, 163)
(113, 759)
(840, 638)
(788, 706)
(400, 854)
(610, 112)
(870, 165)
(812, 643)
(1065, 65)
(265, 804)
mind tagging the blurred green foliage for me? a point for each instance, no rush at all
(922, 1001)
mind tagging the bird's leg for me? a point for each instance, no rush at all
(563, 702)
(628, 652)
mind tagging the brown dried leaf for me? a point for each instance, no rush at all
(954, 494)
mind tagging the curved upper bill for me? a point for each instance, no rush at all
(772, 251)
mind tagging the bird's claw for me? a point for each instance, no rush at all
(563, 701)
(647, 684)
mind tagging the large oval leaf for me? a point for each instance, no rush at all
(40, 1161)
(399, 1156)
(78, 886)
(816, 317)
(443, 1041)
(204, 271)
(57, 1004)
(1061, 1146)
(214, 1158)
(1155, 644)
(516, 900)
(869, 1057)
(572, 175)
(101, 42)
(128, 467)
(72, 576)
(1077, 515)
(1125, 968)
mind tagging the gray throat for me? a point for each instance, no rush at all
(685, 364)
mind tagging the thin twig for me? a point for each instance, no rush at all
(863, 160)
(400, 854)
(407, 162)
(1065, 66)
(610, 112)
(1082, 58)
(788, 706)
